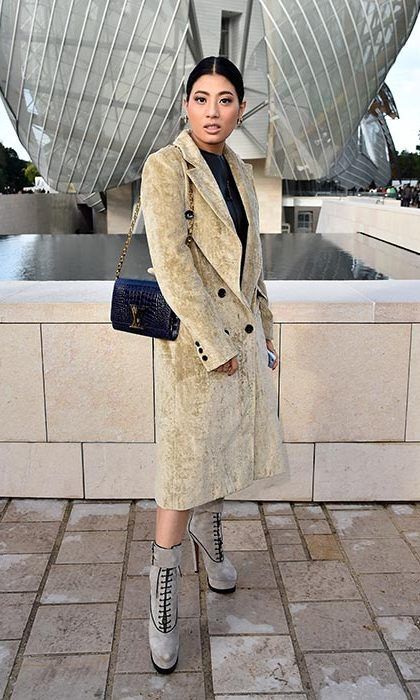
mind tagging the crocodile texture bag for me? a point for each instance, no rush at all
(138, 306)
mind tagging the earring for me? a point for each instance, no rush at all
(239, 121)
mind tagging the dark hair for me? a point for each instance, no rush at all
(220, 65)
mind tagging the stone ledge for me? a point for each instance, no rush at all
(322, 301)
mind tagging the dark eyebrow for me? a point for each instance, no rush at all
(223, 92)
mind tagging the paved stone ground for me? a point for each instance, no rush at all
(327, 604)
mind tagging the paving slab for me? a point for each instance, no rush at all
(82, 583)
(413, 538)
(24, 538)
(323, 547)
(275, 508)
(262, 664)
(289, 552)
(381, 555)
(281, 536)
(315, 527)
(139, 558)
(358, 524)
(8, 651)
(409, 664)
(344, 597)
(66, 629)
(240, 509)
(243, 535)
(318, 580)
(62, 677)
(400, 632)
(392, 594)
(98, 516)
(144, 526)
(363, 675)
(309, 512)
(334, 625)
(354, 506)
(145, 504)
(403, 508)
(280, 522)
(35, 510)
(271, 696)
(254, 569)
(407, 522)
(14, 613)
(21, 572)
(414, 690)
(92, 547)
(3, 504)
(246, 612)
(152, 686)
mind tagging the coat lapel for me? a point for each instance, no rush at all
(225, 254)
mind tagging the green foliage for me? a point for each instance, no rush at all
(12, 171)
(31, 172)
(408, 166)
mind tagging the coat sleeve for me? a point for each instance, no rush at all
(163, 204)
(266, 314)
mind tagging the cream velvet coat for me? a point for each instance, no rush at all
(216, 433)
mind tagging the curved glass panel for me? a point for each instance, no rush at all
(94, 85)
(327, 60)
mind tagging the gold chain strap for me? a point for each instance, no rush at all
(134, 220)
(128, 239)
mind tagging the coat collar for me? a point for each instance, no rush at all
(226, 258)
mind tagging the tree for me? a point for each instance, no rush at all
(12, 171)
(408, 166)
(31, 172)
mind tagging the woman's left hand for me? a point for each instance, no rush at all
(271, 347)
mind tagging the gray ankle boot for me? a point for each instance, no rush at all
(205, 531)
(163, 620)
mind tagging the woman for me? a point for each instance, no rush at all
(216, 405)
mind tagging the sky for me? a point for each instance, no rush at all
(403, 79)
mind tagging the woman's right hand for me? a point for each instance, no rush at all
(229, 367)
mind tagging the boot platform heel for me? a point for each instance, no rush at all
(195, 550)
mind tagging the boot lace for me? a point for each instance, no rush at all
(164, 591)
(217, 536)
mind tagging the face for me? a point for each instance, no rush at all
(213, 100)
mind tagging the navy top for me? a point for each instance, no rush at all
(224, 178)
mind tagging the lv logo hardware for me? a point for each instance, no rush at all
(136, 312)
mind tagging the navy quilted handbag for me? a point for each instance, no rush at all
(138, 306)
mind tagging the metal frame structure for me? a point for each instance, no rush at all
(95, 86)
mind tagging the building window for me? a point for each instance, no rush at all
(224, 36)
(305, 221)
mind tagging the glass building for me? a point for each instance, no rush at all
(93, 87)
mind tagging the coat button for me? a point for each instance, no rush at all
(200, 349)
(189, 214)
(188, 239)
(226, 331)
(204, 357)
(222, 292)
(249, 328)
(197, 343)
